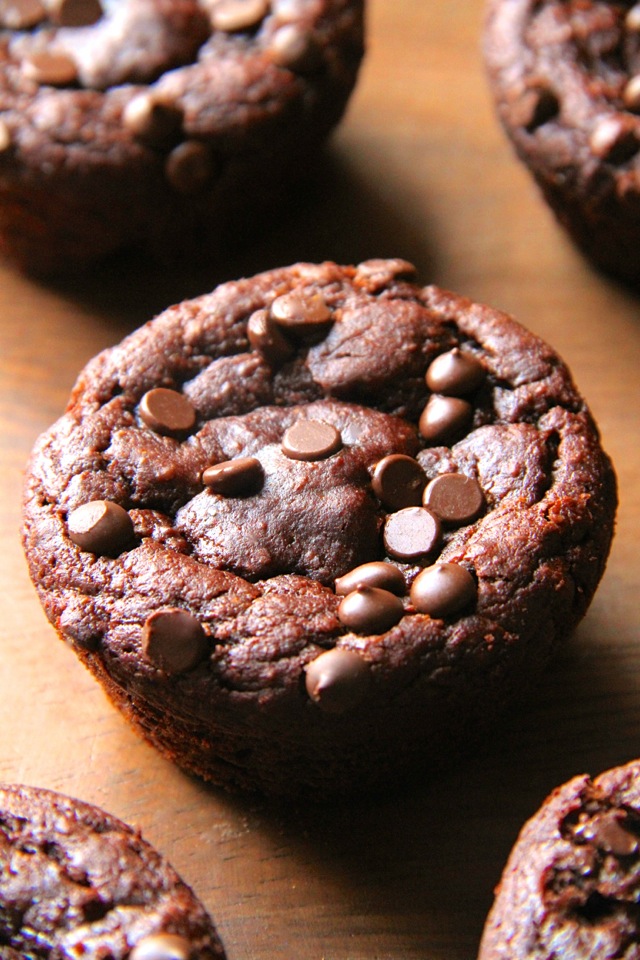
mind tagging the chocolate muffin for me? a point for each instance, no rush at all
(312, 531)
(565, 75)
(77, 882)
(168, 125)
(570, 887)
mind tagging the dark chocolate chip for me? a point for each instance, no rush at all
(455, 374)
(631, 94)
(300, 313)
(411, 533)
(614, 140)
(370, 610)
(161, 946)
(234, 15)
(398, 481)
(267, 338)
(607, 831)
(311, 440)
(50, 69)
(377, 573)
(443, 590)
(21, 14)
(536, 106)
(173, 640)
(295, 48)
(337, 679)
(233, 478)
(167, 411)
(454, 497)
(101, 526)
(189, 167)
(152, 120)
(74, 13)
(377, 273)
(445, 419)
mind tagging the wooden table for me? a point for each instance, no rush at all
(420, 170)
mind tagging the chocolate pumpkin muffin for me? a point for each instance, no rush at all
(169, 125)
(570, 887)
(77, 882)
(565, 75)
(314, 530)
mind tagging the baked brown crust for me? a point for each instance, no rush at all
(563, 74)
(174, 134)
(76, 881)
(257, 569)
(570, 886)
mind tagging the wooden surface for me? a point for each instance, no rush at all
(419, 169)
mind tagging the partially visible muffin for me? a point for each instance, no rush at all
(570, 886)
(565, 75)
(76, 882)
(170, 125)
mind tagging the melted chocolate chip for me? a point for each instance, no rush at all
(370, 610)
(398, 481)
(267, 338)
(614, 140)
(189, 167)
(74, 13)
(301, 314)
(311, 440)
(454, 497)
(233, 478)
(101, 527)
(443, 590)
(167, 411)
(50, 69)
(455, 374)
(234, 15)
(337, 680)
(445, 419)
(152, 120)
(411, 533)
(174, 640)
(377, 573)
(21, 14)
(161, 946)
(295, 48)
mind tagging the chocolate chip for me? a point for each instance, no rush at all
(301, 314)
(234, 15)
(152, 120)
(614, 140)
(536, 106)
(173, 640)
(608, 832)
(377, 573)
(266, 337)
(631, 94)
(445, 419)
(443, 590)
(398, 481)
(411, 533)
(101, 526)
(454, 497)
(50, 69)
(370, 610)
(632, 19)
(337, 679)
(311, 440)
(167, 411)
(161, 946)
(189, 167)
(377, 273)
(455, 374)
(21, 14)
(232, 478)
(74, 13)
(5, 137)
(295, 48)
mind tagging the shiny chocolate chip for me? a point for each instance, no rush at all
(21, 14)
(233, 478)
(454, 497)
(101, 527)
(411, 533)
(189, 167)
(234, 15)
(300, 313)
(377, 273)
(173, 640)
(631, 94)
(50, 69)
(74, 13)
(443, 590)
(632, 19)
(445, 419)
(161, 946)
(455, 374)
(537, 106)
(311, 440)
(151, 120)
(614, 140)
(377, 573)
(295, 48)
(398, 481)
(370, 610)
(337, 680)
(607, 831)
(267, 338)
(167, 411)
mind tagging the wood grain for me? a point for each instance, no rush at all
(418, 169)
